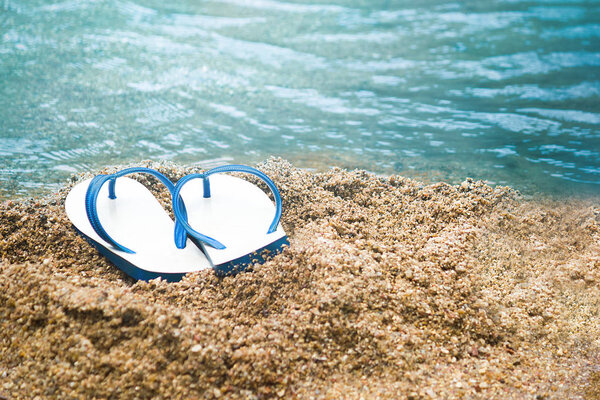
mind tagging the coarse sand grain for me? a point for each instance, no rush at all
(390, 289)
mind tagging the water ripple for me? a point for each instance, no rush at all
(286, 7)
(566, 115)
(582, 90)
(311, 98)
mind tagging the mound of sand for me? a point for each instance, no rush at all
(390, 289)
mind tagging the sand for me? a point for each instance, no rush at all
(390, 289)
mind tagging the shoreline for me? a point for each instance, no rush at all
(454, 175)
(390, 289)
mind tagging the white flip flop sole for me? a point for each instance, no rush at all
(136, 220)
(238, 214)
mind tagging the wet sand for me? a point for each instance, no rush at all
(391, 289)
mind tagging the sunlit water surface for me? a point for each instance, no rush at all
(506, 91)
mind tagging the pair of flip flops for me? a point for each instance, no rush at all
(221, 222)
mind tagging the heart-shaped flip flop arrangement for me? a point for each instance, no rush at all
(221, 222)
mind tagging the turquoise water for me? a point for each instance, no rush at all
(506, 91)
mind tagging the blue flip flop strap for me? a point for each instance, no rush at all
(257, 173)
(91, 199)
(181, 215)
(178, 206)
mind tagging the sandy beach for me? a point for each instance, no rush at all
(390, 289)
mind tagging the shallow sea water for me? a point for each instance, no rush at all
(506, 91)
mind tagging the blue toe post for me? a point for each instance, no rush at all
(206, 187)
(179, 208)
(91, 199)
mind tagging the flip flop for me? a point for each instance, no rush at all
(238, 221)
(156, 246)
